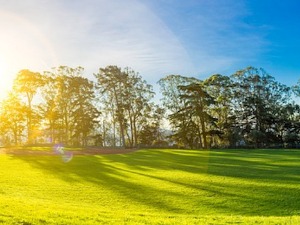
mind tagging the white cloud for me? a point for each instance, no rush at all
(215, 33)
(91, 34)
(188, 38)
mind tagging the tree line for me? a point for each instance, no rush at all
(246, 109)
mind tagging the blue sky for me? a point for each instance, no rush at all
(154, 37)
(262, 33)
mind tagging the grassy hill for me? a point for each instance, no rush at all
(153, 187)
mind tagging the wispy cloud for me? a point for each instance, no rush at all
(93, 34)
(153, 37)
(215, 33)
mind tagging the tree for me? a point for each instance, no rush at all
(111, 83)
(127, 97)
(13, 118)
(185, 101)
(151, 133)
(28, 83)
(258, 99)
(49, 108)
(198, 102)
(288, 125)
(180, 123)
(221, 89)
(68, 106)
(138, 106)
(85, 114)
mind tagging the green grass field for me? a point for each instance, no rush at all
(153, 187)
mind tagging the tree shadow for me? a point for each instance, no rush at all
(96, 170)
(256, 183)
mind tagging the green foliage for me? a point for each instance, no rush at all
(248, 109)
(197, 103)
(153, 187)
(179, 114)
(258, 103)
(220, 88)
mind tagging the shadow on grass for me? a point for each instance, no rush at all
(240, 182)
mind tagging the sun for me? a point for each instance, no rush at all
(23, 45)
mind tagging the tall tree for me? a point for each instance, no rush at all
(128, 97)
(221, 89)
(28, 83)
(49, 108)
(258, 99)
(186, 118)
(197, 105)
(85, 114)
(138, 106)
(69, 108)
(112, 83)
(13, 119)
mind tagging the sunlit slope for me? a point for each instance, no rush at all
(151, 187)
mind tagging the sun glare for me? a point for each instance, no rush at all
(22, 46)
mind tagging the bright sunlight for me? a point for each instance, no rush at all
(22, 46)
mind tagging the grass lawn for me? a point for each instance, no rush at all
(153, 187)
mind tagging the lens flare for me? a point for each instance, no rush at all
(65, 155)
